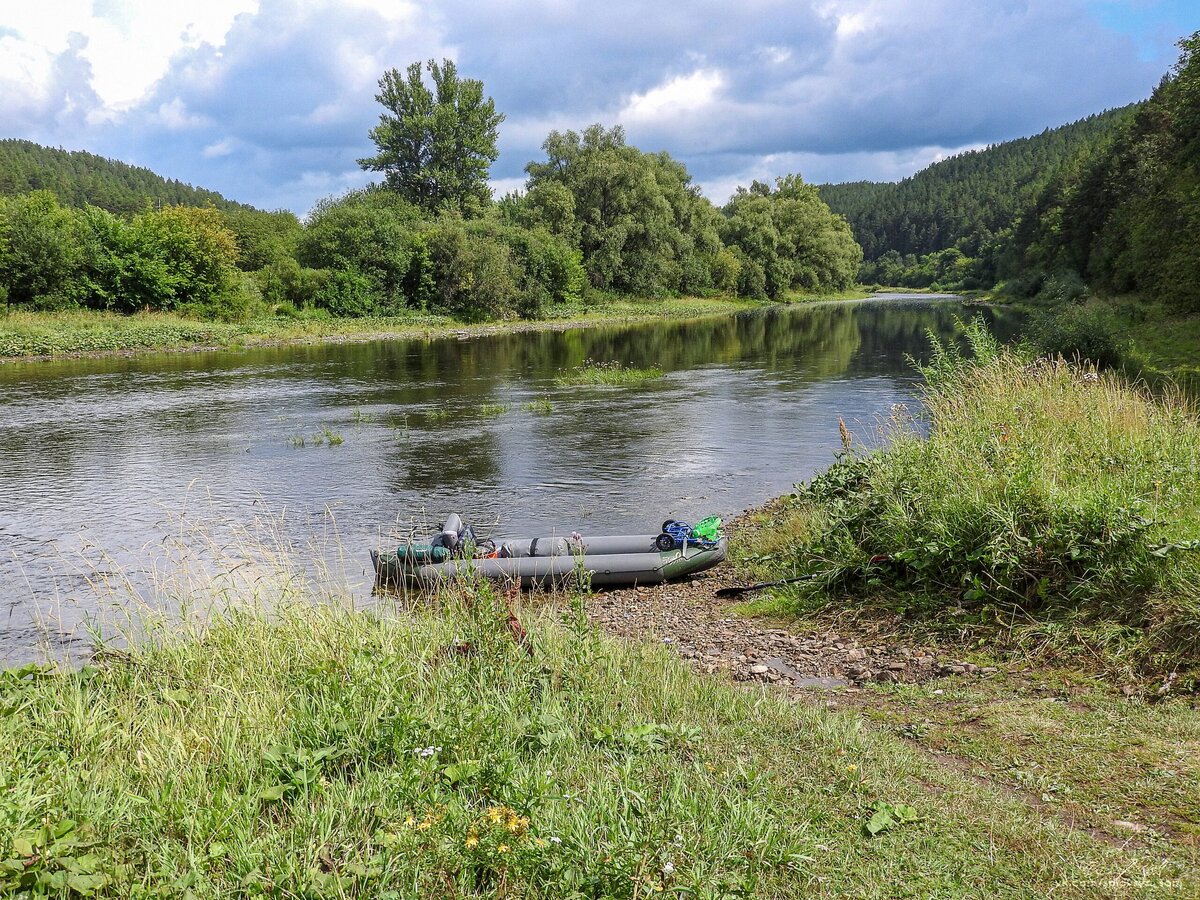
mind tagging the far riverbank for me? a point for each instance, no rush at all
(85, 333)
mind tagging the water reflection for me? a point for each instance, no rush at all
(100, 456)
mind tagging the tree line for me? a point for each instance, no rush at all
(1109, 204)
(951, 224)
(597, 216)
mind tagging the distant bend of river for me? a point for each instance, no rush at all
(118, 473)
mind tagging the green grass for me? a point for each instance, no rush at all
(27, 334)
(491, 410)
(1121, 765)
(855, 293)
(324, 752)
(607, 373)
(1049, 505)
(539, 407)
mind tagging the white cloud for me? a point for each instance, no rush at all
(174, 116)
(128, 44)
(220, 148)
(683, 94)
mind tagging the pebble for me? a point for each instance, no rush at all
(702, 631)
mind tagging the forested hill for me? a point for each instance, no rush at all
(963, 201)
(78, 178)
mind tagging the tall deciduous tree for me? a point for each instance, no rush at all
(435, 147)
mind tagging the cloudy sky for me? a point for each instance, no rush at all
(270, 101)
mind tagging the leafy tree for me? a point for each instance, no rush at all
(435, 147)
(476, 276)
(199, 253)
(371, 233)
(263, 238)
(639, 221)
(122, 272)
(41, 251)
(788, 240)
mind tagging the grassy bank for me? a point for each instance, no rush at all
(323, 752)
(1045, 502)
(86, 332)
(25, 334)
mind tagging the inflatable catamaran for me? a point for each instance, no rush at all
(676, 551)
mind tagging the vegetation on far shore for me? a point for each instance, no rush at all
(26, 334)
(596, 218)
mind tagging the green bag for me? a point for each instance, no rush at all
(708, 529)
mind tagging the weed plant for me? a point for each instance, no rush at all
(540, 407)
(1035, 491)
(491, 410)
(607, 373)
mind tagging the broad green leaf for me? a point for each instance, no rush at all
(86, 884)
(273, 793)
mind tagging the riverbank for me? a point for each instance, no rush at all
(28, 336)
(441, 752)
(1152, 340)
(1113, 759)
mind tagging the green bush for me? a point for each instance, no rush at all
(1078, 332)
(475, 276)
(347, 294)
(41, 251)
(287, 283)
(1043, 487)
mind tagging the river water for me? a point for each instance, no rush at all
(113, 470)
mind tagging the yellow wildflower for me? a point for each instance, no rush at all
(538, 842)
(503, 848)
(495, 814)
(424, 825)
(851, 768)
(410, 821)
(471, 842)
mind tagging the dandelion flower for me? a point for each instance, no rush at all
(503, 848)
(471, 842)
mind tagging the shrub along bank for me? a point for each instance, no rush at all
(1042, 497)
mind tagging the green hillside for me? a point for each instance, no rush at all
(1127, 219)
(78, 178)
(951, 222)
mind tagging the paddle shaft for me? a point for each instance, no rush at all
(735, 591)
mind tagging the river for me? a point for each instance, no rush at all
(115, 471)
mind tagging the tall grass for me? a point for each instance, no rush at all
(264, 738)
(1032, 488)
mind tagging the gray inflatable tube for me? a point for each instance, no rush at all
(611, 560)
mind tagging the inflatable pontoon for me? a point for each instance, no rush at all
(675, 552)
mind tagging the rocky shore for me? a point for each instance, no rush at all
(703, 629)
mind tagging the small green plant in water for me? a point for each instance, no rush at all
(607, 373)
(361, 418)
(540, 407)
(437, 415)
(490, 410)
